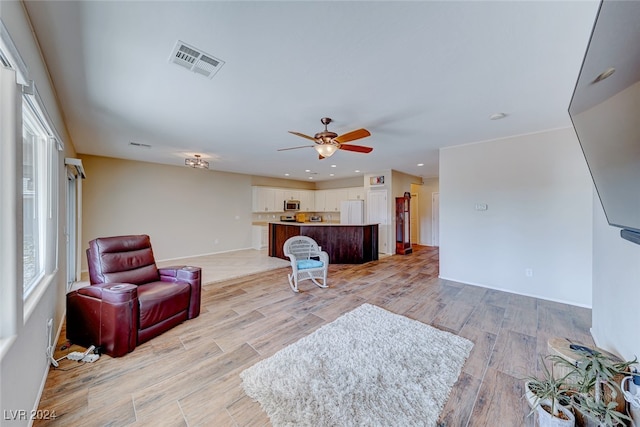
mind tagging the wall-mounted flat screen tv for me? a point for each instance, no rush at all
(605, 111)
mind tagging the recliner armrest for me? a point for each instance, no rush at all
(110, 292)
(186, 274)
(105, 315)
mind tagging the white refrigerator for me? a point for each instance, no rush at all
(352, 212)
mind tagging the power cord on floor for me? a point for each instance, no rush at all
(89, 356)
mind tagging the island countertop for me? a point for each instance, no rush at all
(323, 223)
(345, 243)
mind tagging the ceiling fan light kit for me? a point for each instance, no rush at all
(327, 142)
(197, 162)
(326, 150)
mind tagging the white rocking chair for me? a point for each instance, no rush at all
(308, 261)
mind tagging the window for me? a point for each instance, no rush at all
(29, 174)
(34, 197)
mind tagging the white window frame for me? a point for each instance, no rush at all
(17, 305)
(38, 192)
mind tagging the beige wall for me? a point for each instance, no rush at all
(356, 181)
(264, 181)
(185, 211)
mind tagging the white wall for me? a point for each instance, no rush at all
(538, 194)
(616, 289)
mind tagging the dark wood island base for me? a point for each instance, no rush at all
(345, 244)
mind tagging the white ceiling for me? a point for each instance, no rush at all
(418, 75)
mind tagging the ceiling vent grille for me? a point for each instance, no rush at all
(139, 144)
(195, 60)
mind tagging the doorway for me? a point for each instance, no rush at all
(435, 219)
(414, 221)
(377, 213)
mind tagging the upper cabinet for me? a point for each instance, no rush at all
(329, 200)
(269, 199)
(355, 193)
(307, 200)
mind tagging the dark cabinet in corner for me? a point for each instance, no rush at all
(403, 221)
(345, 244)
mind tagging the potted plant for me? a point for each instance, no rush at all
(593, 381)
(548, 397)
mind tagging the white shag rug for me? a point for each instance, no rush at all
(369, 367)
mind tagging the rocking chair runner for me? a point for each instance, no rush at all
(308, 261)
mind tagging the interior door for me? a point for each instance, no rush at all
(377, 214)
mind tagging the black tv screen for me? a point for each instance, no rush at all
(605, 111)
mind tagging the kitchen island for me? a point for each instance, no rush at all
(345, 244)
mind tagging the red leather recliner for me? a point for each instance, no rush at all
(130, 300)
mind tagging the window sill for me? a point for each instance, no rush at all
(34, 298)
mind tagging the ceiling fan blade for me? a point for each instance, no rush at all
(356, 148)
(352, 136)
(295, 148)
(303, 135)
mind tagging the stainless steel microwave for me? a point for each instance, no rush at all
(292, 205)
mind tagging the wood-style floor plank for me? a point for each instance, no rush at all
(189, 376)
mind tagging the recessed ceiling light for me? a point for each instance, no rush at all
(497, 116)
(603, 75)
(356, 171)
(286, 174)
(333, 166)
(307, 170)
(310, 177)
(332, 174)
(420, 164)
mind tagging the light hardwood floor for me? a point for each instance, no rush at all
(189, 375)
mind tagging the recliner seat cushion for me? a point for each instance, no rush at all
(161, 300)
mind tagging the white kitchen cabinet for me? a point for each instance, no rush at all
(355, 193)
(318, 200)
(307, 200)
(267, 199)
(291, 195)
(331, 204)
(329, 200)
(259, 236)
(270, 199)
(279, 196)
(334, 197)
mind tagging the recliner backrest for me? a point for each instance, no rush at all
(122, 259)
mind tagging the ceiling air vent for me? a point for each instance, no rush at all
(195, 60)
(139, 144)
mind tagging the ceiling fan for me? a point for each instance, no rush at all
(328, 142)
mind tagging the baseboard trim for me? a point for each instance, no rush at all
(542, 297)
